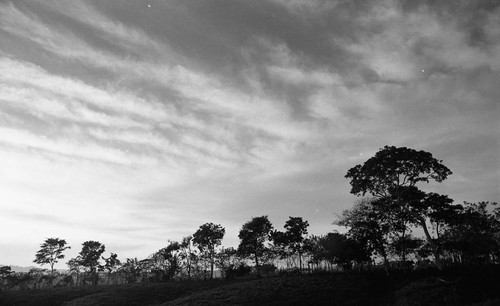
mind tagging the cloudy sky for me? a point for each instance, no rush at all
(134, 122)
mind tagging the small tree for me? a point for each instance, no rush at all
(226, 260)
(132, 270)
(342, 250)
(207, 237)
(187, 255)
(5, 272)
(51, 250)
(296, 230)
(253, 237)
(167, 261)
(75, 268)
(474, 235)
(89, 258)
(111, 264)
(369, 225)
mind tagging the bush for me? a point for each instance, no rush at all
(265, 270)
(233, 271)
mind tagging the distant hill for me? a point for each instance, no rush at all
(27, 269)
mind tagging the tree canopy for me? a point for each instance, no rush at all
(207, 237)
(394, 167)
(391, 177)
(51, 250)
(253, 236)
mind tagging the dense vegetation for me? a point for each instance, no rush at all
(381, 241)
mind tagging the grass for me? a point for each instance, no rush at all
(474, 287)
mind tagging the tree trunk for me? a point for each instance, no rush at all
(435, 251)
(300, 262)
(212, 264)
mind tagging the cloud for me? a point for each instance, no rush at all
(404, 46)
(152, 122)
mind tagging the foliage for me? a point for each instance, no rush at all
(369, 225)
(187, 256)
(391, 177)
(167, 261)
(474, 234)
(89, 258)
(227, 259)
(207, 237)
(51, 250)
(253, 237)
(132, 270)
(5, 272)
(111, 264)
(341, 250)
(293, 240)
(393, 167)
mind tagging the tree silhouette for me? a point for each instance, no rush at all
(207, 237)
(132, 270)
(253, 236)
(89, 258)
(75, 267)
(5, 272)
(369, 225)
(292, 241)
(474, 236)
(111, 264)
(51, 250)
(187, 255)
(342, 250)
(167, 261)
(391, 177)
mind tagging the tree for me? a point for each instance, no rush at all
(253, 236)
(5, 272)
(111, 264)
(226, 260)
(296, 230)
(370, 226)
(75, 268)
(292, 241)
(474, 234)
(187, 255)
(207, 237)
(167, 261)
(391, 177)
(132, 269)
(89, 258)
(51, 250)
(342, 250)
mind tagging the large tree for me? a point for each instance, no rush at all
(207, 237)
(51, 250)
(391, 177)
(253, 237)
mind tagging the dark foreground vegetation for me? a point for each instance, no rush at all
(478, 286)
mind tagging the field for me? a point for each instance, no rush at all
(453, 288)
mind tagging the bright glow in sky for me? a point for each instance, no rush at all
(133, 123)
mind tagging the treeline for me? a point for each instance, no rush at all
(397, 225)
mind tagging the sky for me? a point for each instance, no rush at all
(134, 122)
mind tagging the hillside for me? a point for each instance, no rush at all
(324, 289)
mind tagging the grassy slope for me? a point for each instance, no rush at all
(328, 289)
